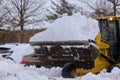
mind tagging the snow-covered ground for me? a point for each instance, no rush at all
(10, 70)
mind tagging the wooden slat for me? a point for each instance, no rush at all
(39, 43)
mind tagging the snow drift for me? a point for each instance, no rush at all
(14, 71)
(20, 51)
(75, 27)
(10, 70)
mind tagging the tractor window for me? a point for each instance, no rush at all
(112, 31)
(119, 29)
(104, 29)
(113, 26)
(108, 30)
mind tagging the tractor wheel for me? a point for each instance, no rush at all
(111, 67)
(69, 70)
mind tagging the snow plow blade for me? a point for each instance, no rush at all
(58, 53)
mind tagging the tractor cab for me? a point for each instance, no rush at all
(110, 34)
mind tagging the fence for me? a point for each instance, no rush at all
(14, 36)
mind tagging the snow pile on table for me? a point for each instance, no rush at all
(75, 27)
(10, 70)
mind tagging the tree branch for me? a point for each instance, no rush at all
(88, 4)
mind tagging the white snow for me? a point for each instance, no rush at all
(75, 27)
(10, 70)
(20, 51)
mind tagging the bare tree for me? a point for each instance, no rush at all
(116, 4)
(60, 8)
(100, 8)
(24, 12)
(3, 13)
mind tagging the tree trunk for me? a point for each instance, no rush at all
(21, 35)
(114, 8)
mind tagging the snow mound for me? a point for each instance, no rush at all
(8, 67)
(20, 51)
(14, 71)
(10, 70)
(75, 27)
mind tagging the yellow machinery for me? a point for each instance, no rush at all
(80, 57)
(107, 43)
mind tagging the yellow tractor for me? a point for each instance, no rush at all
(81, 57)
(107, 43)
